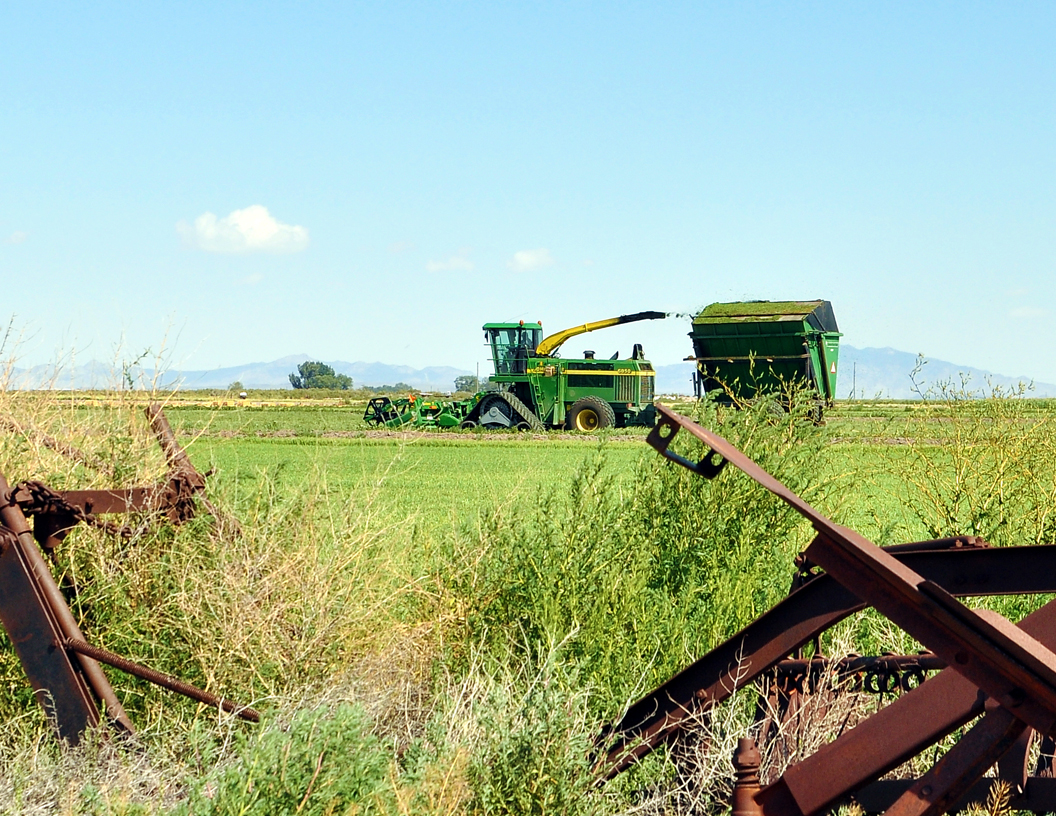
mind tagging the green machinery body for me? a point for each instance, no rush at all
(533, 389)
(755, 346)
(581, 394)
(418, 412)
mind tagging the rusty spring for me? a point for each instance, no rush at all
(882, 674)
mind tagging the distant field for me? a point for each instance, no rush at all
(443, 478)
(439, 482)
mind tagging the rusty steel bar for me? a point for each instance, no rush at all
(1039, 795)
(1013, 767)
(11, 517)
(882, 742)
(58, 683)
(953, 775)
(175, 455)
(161, 679)
(116, 500)
(184, 482)
(859, 664)
(794, 621)
(987, 649)
(67, 450)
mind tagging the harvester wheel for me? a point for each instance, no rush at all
(523, 426)
(468, 424)
(590, 414)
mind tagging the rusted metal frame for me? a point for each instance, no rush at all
(117, 500)
(1013, 765)
(1013, 667)
(909, 724)
(875, 746)
(796, 620)
(784, 689)
(163, 680)
(60, 626)
(58, 683)
(952, 776)
(56, 513)
(184, 481)
(1039, 795)
(1009, 666)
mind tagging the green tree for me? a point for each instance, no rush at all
(311, 374)
(467, 382)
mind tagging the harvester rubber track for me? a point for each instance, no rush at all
(527, 414)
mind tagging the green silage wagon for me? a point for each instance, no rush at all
(742, 349)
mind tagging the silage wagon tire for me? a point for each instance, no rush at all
(590, 414)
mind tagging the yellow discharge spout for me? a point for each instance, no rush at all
(553, 342)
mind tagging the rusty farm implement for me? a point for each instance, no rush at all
(61, 665)
(979, 671)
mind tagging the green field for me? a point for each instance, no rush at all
(441, 622)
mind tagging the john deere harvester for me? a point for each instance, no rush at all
(537, 389)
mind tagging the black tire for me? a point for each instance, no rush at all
(590, 414)
(523, 426)
(468, 425)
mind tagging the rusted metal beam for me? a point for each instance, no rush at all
(117, 500)
(987, 649)
(164, 680)
(960, 767)
(58, 683)
(1039, 795)
(53, 607)
(796, 620)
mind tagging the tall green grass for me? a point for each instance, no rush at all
(466, 667)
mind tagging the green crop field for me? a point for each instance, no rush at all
(442, 622)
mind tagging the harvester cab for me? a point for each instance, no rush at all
(512, 344)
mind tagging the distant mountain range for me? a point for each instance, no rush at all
(883, 373)
(869, 372)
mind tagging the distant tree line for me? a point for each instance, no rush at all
(467, 382)
(388, 389)
(312, 374)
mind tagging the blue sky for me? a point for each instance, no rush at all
(238, 182)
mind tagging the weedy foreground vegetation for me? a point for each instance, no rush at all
(442, 624)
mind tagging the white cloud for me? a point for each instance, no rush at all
(460, 260)
(250, 230)
(1027, 312)
(16, 237)
(528, 260)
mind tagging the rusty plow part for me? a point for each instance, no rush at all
(62, 667)
(160, 679)
(988, 667)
